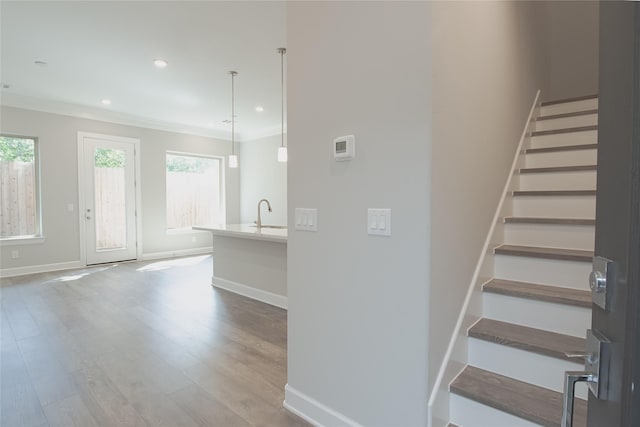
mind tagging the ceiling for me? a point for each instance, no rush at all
(105, 50)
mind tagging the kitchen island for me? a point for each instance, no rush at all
(250, 261)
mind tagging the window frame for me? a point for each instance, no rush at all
(221, 180)
(38, 236)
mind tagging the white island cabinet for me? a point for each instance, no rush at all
(250, 261)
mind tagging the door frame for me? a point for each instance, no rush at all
(81, 196)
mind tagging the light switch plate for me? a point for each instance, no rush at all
(379, 222)
(306, 219)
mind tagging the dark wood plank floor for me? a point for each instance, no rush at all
(139, 344)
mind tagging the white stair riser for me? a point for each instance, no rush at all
(572, 180)
(560, 318)
(536, 369)
(569, 107)
(567, 122)
(570, 274)
(561, 158)
(560, 139)
(469, 413)
(555, 206)
(550, 235)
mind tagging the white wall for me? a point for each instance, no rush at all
(486, 70)
(570, 34)
(262, 176)
(358, 304)
(57, 136)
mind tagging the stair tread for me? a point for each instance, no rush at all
(555, 221)
(555, 193)
(547, 253)
(561, 148)
(524, 400)
(576, 168)
(566, 100)
(564, 130)
(565, 115)
(538, 341)
(555, 294)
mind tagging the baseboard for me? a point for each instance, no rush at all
(177, 253)
(250, 292)
(43, 268)
(313, 411)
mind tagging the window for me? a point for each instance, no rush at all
(194, 191)
(19, 189)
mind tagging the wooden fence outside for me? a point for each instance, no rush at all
(17, 199)
(191, 199)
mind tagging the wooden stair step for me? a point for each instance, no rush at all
(577, 168)
(565, 100)
(555, 193)
(546, 253)
(538, 341)
(535, 291)
(536, 404)
(561, 148)
(564, 130)
(565, 115)
(550, 221)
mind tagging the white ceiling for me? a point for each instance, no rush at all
(96, 50)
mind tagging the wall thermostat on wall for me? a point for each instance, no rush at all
(344, 148)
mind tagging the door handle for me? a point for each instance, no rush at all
(597, 359)
(570, 380)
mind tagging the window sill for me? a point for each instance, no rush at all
(15, 241)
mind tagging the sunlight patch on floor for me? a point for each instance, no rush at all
(178, 262)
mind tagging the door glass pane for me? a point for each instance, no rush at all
(110, 205)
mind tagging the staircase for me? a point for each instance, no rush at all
(537, 308)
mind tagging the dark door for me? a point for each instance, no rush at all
(618, 211)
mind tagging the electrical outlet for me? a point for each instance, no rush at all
(15, 254)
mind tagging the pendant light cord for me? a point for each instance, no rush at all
(233, 118)
(282, 51)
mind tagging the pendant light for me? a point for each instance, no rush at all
(233, 159)
(282, 150)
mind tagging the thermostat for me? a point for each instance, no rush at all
(344, 148)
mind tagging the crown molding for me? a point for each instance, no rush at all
(93, 113)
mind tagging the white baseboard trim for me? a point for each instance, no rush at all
(177, 253)
(250, 292)
(313, 411)
(43, 268)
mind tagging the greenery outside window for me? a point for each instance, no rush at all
(19, 187)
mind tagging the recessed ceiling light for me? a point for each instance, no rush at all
(160, 63)
(40, 63)
(259, 108)
(106, 102)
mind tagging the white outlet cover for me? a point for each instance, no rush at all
(379, 222)
(306, 219)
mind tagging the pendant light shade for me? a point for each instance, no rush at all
(282, 150)
(233, 159)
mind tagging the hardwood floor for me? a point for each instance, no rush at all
(139, 344)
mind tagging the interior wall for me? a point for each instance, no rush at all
(57, 136)
(358, 304)
(487, 66)
(570, 34)
(262, 177)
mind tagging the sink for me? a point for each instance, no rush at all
(278, 227)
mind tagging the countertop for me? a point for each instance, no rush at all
(245, 231)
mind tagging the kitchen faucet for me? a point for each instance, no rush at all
(259, 222)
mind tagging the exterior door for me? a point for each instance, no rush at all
(618, 212)
(109, 189)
